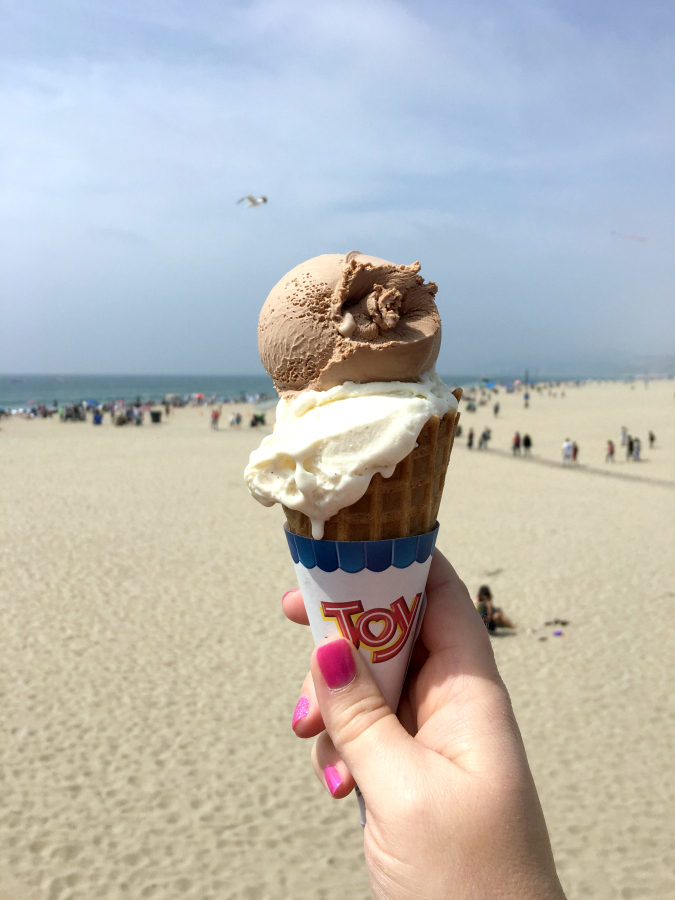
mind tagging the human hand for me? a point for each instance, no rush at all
(452, 810)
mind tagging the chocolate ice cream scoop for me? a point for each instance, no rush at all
(341, 318)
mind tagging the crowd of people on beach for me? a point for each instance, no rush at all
(134, 413)
(522, 445)
(123, 412)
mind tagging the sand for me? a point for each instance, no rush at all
(148, 677)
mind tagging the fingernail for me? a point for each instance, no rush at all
(333, 780)
(286, 594)
(301, 711)
(336, 663)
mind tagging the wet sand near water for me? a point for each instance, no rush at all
(148, 677)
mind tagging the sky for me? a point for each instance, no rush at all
(508, 145)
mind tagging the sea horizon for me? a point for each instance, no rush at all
(19, 390)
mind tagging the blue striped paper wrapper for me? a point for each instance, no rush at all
(371, 592)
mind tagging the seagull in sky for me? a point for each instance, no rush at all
(253, 201)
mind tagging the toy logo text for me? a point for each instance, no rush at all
(355, 624)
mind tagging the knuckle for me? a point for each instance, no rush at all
(356, 717)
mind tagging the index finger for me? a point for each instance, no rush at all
(294, 607)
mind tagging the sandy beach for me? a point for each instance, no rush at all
(148, 676)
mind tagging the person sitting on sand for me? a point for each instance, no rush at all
(492, 616)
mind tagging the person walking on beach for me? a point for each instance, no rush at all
(575, 451)
(215, 416)
(629, 448)
(527, 445)
(495, 409)
(469, 439)
(624, 435)
(515, 444)
(637, 447)
(609, 455)
(567, 452)
(652, 439)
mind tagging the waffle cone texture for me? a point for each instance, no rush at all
(404, 505)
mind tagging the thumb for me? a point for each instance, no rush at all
(365, 732)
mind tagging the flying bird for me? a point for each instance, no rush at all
(253, 201)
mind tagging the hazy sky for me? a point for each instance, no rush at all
(500, 142)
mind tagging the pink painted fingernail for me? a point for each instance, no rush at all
(336, 663)
(286, 594)
(333, 780)
(301, 711)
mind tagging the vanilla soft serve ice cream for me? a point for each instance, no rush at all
(327, 445)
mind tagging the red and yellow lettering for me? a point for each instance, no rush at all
(343, 613)
(397, 622)
(404, 619)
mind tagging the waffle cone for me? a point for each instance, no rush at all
(403, 505)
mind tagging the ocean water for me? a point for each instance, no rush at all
(17, 391)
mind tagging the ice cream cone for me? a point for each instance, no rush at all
(351, 343)
(404, 505)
